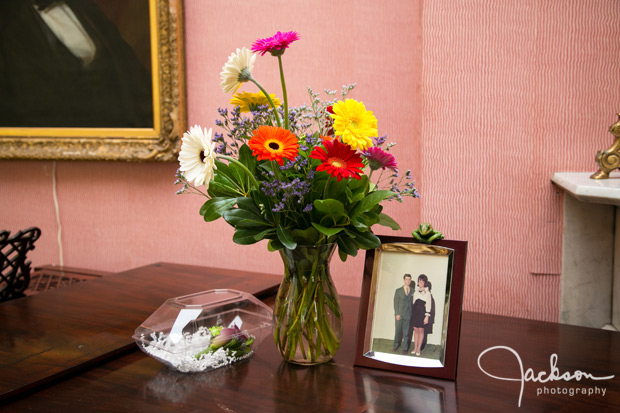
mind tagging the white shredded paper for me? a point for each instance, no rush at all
(180, 354)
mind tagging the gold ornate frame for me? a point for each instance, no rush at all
(160, 143)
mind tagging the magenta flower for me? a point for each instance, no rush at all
(378, 158)
(275, 44)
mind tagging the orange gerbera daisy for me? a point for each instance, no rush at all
(274, 144)
(329, 138)
(339, 160)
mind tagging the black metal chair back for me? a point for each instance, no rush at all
(15, 274)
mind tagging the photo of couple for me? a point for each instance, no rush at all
(414, 313)
(409, 306)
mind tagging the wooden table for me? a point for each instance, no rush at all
(50, 335)
(129, 380)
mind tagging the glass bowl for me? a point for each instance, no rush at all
(205, 331)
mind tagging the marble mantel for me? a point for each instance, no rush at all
(580, 186)
(590, 249)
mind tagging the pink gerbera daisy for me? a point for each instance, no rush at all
(275, 44)
(378, 158)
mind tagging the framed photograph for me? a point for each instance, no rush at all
(410, 308)
(92, 79)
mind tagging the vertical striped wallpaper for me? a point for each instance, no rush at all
(486, 100)
(513, 91)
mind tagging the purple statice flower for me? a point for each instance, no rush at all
(380, 140)
(285, 192)
(379, 159)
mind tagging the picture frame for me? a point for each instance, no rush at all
(157, 140)
(443, 264)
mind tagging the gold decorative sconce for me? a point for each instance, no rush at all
(610, 159)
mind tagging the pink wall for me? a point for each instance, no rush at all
(485, 99)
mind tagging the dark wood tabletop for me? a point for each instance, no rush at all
(129, 380)
(46, 336)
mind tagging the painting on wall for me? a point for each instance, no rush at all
(91, 80)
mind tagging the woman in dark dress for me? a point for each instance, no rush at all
(421, 312)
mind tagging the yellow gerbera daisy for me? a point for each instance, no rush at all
(354, 124)
(248, 102)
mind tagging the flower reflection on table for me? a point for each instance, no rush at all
(176, 387)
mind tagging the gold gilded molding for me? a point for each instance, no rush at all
(610, 159)
(161, 143)
(412, 248)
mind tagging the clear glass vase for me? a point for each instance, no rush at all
(307, 319)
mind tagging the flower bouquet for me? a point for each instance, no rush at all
(309, 179)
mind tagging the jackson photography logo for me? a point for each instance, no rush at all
(546, 377)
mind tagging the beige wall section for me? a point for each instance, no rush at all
(485, 99)
(587, 273)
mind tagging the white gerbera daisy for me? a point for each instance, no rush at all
(237, 70)
(197, 156)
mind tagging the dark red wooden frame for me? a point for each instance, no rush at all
(454, 317)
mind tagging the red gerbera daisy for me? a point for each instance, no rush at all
(275, 44)
(339, 160)
(274, 144)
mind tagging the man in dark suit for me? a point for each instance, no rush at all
(402, 314)
(44, 82)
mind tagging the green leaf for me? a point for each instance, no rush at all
(248, 204)
(219, 189)
(370, 201)
(245, 236)
(360, 223)
(387, 221)
(357, 197)
(246, 158)
(371, 218)
(349, 195)
(243, 218)
(231, 175)
(308, 236)
(274, 245)
(338, 219)
(215, 207)
(336, 190)
(285, 237)
(358, 184)
(366, 240)
(223, 171)
(263, 234)
(326, 231)
(328, 206)
(238, 174)
(346, 245)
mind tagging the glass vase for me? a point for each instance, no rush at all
(307, 319)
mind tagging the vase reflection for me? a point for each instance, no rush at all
(314, 388)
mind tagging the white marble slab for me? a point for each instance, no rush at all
(579, 185)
